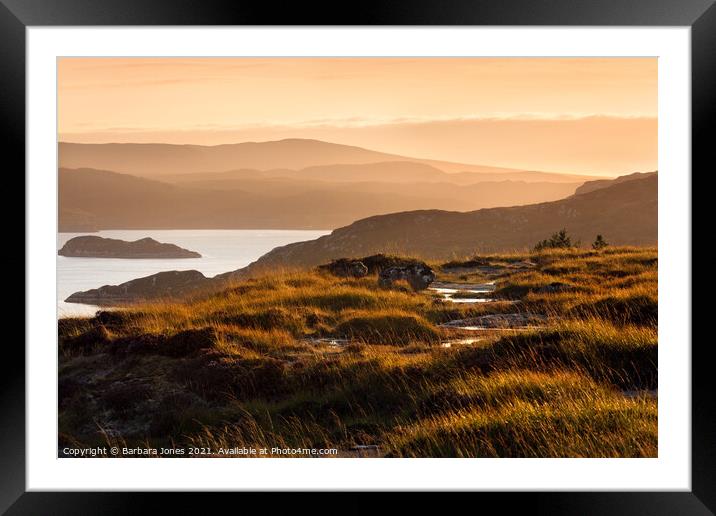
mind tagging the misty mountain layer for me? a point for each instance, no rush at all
(98, 199)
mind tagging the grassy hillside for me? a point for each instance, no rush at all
(308, 360)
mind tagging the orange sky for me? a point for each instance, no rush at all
(586, 115)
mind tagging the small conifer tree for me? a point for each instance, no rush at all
(558, 240)
(599, 243)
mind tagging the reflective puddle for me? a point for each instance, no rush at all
(513, 321)
(459, 342)
(461, 292)
(333, 342)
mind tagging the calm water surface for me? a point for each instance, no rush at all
(221, 251)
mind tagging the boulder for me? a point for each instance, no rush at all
(378, 262)
(345, 268)
(418, 275)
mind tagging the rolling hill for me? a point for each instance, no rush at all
(624, 212)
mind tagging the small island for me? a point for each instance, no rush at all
(99, 247)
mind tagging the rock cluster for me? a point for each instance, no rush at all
(418, 275)
(389, 269)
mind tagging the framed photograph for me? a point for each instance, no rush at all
(423, 247)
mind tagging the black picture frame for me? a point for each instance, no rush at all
(16, 15)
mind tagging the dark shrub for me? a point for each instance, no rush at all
(184, 343)
(388, 329)
(144, 344)
(67, 388)
(85, 343)
(640, 310)
(268, 319)
(123, 397)
(188, 342)
(112, 319)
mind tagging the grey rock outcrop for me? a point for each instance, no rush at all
(418, 275)
(345, 268)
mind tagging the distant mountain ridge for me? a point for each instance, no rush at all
(384, 171)
(625, 212)
(590, 186)
(155, 160)
(92, 199)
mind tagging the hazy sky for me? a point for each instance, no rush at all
(590, 115)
